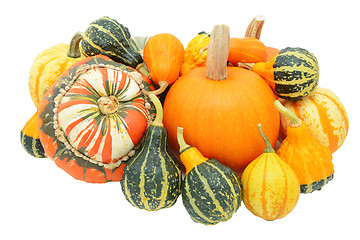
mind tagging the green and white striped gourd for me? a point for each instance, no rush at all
(211, 192)
(107, 37)
(151, 178)
(293, 74)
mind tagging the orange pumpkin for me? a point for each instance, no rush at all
(163, 56)
(246, 50)
(219, 107)
(324, 115)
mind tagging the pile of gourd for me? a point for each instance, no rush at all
(201, 121)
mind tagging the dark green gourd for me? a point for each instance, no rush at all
(211, 192)
(107, 37)
(296, 73)
(151, 179)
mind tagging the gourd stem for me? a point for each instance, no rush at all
(255, 27)
(294, 120)
(248, 66)
(218, 52)
(181, 140)
(74, 48)
(268, 147)
(142, 69)
(162, 86)
(159, 111)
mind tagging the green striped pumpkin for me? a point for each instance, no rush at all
(107, 37)
(296, 73)
(211, 191)
(151, 179)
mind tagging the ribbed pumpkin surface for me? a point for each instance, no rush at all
(296, 73)
(325, 116)
(82, 139)
(211, 192)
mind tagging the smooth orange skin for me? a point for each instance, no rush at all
(163, 56)
(220, 117)
(246, 50)
(271, 53)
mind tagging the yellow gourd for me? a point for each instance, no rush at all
(271, 188)
(311, 160)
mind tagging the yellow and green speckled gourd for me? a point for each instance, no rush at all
(271, 188)
(151, 178)
(211, 191)
(311, 161)
(47, 67)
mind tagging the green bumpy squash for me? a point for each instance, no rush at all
(107, 37)
(151, 179)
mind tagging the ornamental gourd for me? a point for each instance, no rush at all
(195, 52)
(324, 115)
(271, 188)
(293, 74)
(47, 67)
(218, 106)
(246, 50)
(107, 37)
(163, 56)
(311, 161)
(151, 179)
(93, 118)
(211, 192)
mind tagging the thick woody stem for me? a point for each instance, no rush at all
(218, 52)
(255, 27)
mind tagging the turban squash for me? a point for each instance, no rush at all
(93, 117)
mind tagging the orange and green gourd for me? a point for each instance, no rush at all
(211, 192)
(47, 67)
(311, 161)
(271, 188)
(93, 118)
(324, 115)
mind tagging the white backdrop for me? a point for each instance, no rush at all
(40, 201)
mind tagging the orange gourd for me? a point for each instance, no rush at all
(246, 50)
(311, 161)
(324, 114)
(271, 188)
(163, 56)
(219, 107)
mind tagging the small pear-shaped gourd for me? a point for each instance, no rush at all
(271, 188)
(211, 191)
(151, 178)
(311, 160)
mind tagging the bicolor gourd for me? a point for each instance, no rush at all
(151, 179)
(211, 191)
(271, 188)
(311, 161)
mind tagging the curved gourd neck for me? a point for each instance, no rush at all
(159, 111)
(294, 120)
(218, 53)
(190, 156)
(74, 47)
(268, 147)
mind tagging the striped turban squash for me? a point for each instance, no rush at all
(93, 117)
(324, 115)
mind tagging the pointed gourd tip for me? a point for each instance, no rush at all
(268, 147)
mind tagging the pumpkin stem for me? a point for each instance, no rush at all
(159, 111)
(268, 147)
(162, 86)
(218, 52)
(294, 120)
(108, 105)
(255, 27)
(74, 48)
